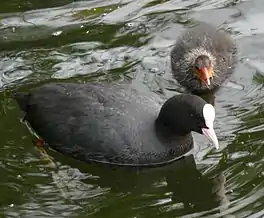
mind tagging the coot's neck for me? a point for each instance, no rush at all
(167, 133)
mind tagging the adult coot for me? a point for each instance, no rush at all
(203, 58)
(114, 124)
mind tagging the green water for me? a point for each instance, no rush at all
(130, 40)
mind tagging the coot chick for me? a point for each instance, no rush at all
(203, 58)
(114, 124)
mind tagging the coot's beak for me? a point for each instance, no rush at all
(205, 76)
(210, 134)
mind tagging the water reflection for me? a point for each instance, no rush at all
(130, 40)
(178, 188)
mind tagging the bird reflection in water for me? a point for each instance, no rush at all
(180, 181)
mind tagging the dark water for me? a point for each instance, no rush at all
(130, 40)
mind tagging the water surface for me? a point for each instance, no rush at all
(116, 41)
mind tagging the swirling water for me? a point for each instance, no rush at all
(129, 40)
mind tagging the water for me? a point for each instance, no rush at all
(128, 40)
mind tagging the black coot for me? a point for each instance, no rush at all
(115, 124)
(203, 58)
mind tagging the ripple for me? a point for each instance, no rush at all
(131, 40)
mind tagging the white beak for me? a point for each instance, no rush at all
(210, 134)
(209, 115)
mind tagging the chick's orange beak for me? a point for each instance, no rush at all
(205, 75)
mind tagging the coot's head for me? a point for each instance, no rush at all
(195, 69)
(203, 69)
(185, 113)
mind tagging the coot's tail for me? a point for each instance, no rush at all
(22, 98)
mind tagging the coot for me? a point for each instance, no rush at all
(115, 124)
(203, 58)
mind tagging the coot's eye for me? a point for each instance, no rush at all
(201, 123)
